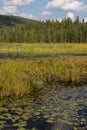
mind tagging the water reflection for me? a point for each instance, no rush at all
(61, 109)
(39, 124)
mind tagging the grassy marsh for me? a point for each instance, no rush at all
(24, 77)
(9, 50)
(26, 70)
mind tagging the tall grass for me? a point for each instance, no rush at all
(29, 77)
(40, 50)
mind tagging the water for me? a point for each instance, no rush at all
(61, 109)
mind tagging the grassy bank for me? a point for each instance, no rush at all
(9, 50)
(28, 77)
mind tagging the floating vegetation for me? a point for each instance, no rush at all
(58, 111)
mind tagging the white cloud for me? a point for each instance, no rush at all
(8, 10)
(67, 5)
(16, 2)
(85, 19)
(59, 19)
(11, 7)
(30, 16)
(46, 13)
(70, 15)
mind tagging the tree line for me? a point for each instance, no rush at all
(46, 32)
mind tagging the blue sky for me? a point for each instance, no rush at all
(45, 9)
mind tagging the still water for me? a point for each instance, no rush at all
(61, 109)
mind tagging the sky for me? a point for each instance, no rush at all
(45, 9)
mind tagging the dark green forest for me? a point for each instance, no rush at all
(17, 29)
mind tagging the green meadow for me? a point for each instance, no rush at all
(47, 66)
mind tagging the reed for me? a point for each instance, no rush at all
(20, 78)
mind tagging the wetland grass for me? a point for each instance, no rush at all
(30, 77)
(23, 102)
(20, 50)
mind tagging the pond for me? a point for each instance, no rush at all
(61, 109)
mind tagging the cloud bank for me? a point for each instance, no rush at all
(16, 2)
(10, 7)
(67, 5)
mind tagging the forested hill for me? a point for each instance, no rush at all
(31, 31)
(11, 21)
